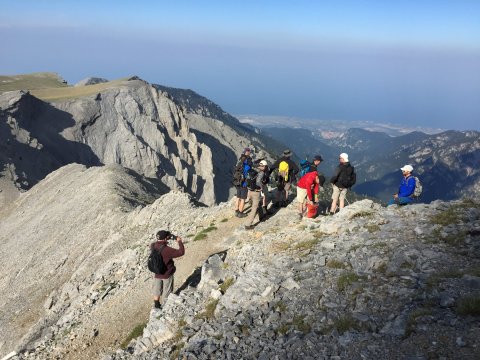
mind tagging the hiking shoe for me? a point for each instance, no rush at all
(249, 227)
(157, 305)
(237, 212)
(241, 215)
(300, 216)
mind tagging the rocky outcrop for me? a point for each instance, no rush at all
(131, 124)
(91, 81)
(368, 282)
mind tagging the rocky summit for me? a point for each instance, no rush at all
(367, 283)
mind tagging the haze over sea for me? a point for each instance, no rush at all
(407, 62)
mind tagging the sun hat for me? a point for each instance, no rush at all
(287, 152)
(344, 156)
(263, 163)
(407, 168)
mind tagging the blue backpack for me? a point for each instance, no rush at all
(304, 167)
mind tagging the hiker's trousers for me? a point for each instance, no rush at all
(162, 287)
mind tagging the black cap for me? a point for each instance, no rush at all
(287, 152)
(318, 157)
(163, 234)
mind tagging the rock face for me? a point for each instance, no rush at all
(366, 283)
(91, 81)
(132, 124)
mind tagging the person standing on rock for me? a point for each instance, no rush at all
(404, 196)
(163, 283)
(244, 163)
(343, 179)
(255, 188)
(287, 170)
(315, 165)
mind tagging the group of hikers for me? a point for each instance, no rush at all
(251, 179)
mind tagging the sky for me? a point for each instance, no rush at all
(415, 63)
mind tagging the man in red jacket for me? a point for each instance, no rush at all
(163, 283)
(307, 186)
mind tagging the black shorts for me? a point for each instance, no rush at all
(242, 192)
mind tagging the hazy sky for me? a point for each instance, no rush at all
(408, 62)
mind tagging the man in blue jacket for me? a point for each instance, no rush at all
(405, 192)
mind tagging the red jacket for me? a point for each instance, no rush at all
(168, 254)
(307, 182)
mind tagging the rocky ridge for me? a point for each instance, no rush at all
(369, 282)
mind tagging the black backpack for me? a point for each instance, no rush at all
(238, 174)
(252, 179)
(155, 261)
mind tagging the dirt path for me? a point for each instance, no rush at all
(115, 320)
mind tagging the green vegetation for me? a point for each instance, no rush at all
(306, 244)
(224, 220)
(362, 214)
(280, 306)
(453, 214)
(372, 228)
(379, 245)
(435, 279)
(209, 310)
(469, 305)
(245, 329)
(412, 319)
(345, 323)
(301, 325)
(346, 280)
(203, 234)
(283, 329)
(226, 284)
(31, 82)
(176, 350)
(449, 239)
(335, 264)
(136, 332)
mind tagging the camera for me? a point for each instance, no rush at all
(173, 237)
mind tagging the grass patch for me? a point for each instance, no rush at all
(224, 220)
(280, 247)
(382, 269)
(355, 247)
(176, 351)
(335, 264)
(345, 323)
(435, 279)
(453, 214)
(346, 280)
(280, 306)
(283, 329)
(136, 332)
(209, 311)
(372, 228)
(306, 245)
(469, 305)
(317, 234)
(245, 329)
(379, 245)
(301, 325)
(412, 319)
(226, 284)
(203, 234)
(362, 214)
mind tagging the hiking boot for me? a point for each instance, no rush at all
(241, 214)
(249, 227)
(157, 305)
(237, 212)
(284, 204)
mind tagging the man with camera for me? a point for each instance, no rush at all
(163, 283)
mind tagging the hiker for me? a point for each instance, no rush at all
(287, 169)
(343, 179)
(308, 182)
(244, 163)
(316, 163)
(406, 189)
(255, 188)
(265, 181)
(163, 283)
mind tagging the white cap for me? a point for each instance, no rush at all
(344, 156)
(407, 168)
(263, 163)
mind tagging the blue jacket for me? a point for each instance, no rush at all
(407, 187)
